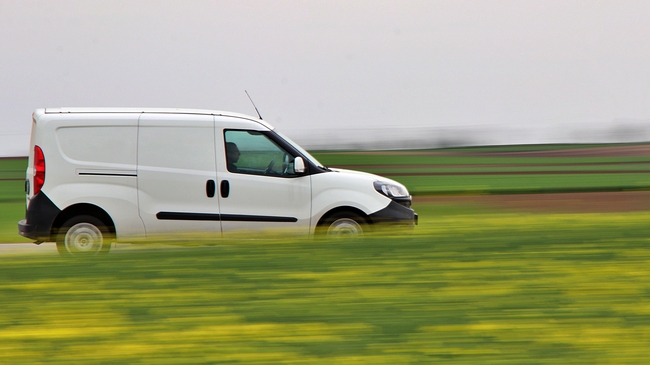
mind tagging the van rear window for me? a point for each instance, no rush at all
(114, 145)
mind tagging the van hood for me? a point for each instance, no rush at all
(356, 173)
(366, 176)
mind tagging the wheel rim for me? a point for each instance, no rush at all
(83, 238)
(344, 227)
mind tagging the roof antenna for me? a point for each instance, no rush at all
(258, 112)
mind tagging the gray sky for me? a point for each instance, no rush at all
(428, 72)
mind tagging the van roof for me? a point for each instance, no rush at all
(87, 110)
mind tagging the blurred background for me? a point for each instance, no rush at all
(341, 74)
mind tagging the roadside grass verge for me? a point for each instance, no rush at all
(539, 147)
(463, 289)
(12, 199)
(12, 210)
(10, 215)
(439, 157)
(523, 183)
(440, 172)
(13, 168)
(511, 168)
(12, 191)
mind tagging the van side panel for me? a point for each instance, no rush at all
(92, 160)
(109, 146)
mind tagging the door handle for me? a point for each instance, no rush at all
(225, 188)
(210, 186)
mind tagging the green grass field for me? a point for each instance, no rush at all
(12, 198)
(471, 285)
(487, 170)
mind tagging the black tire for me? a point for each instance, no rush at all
(83, 235)
(343, 225)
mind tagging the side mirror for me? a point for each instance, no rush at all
(299, 165)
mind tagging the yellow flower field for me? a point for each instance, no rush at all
(501, 288)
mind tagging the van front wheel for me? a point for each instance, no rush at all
(83, 236)
(344, 225)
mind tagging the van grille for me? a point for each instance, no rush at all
(403, 201)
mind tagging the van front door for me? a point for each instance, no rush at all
(177, 174)
(258, 187)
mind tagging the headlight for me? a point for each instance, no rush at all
(391, 190)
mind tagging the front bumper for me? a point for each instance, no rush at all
(395, 214)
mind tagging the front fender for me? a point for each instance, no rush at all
(332, 190)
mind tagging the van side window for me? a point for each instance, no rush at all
(252, 152)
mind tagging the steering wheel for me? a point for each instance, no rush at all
(269, 168)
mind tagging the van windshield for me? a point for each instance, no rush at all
(301, 150)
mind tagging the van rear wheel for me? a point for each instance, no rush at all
(83, 235)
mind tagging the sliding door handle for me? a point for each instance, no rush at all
(210, 187)
(225, 188)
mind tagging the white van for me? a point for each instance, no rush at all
(96, 175)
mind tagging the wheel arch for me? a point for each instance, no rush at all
(342, 209)
(82, 209)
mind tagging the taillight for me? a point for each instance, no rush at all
(39, 169)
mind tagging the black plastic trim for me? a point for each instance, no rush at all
(184, 216)
(256, 218)
(39, 216)
(106, 174)
(395, 213)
